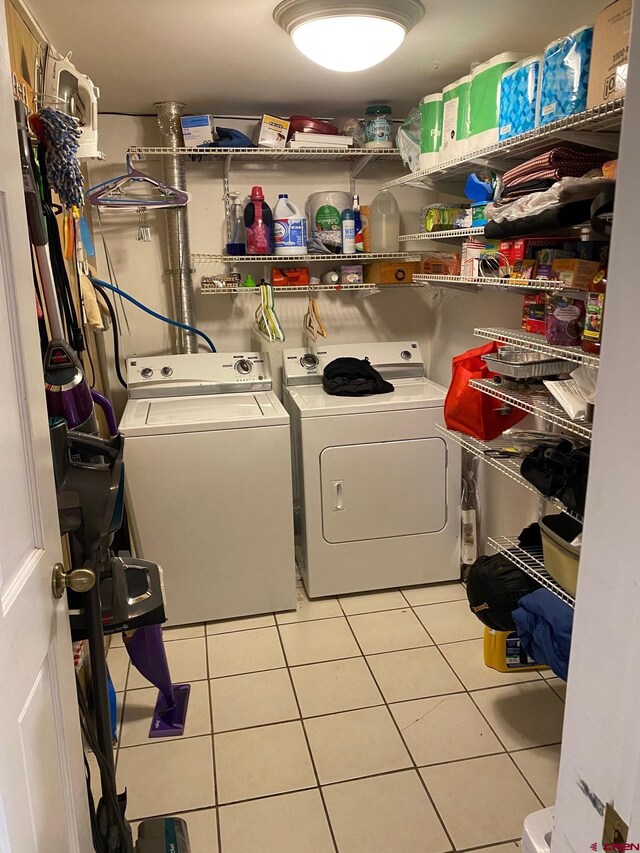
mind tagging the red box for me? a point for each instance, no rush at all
(506, 249)
(523, 246)
(533, 313)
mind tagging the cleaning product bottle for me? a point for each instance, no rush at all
(235, 226)
(385, 223)
(357, 224)
(289, 228)
(258, 222)
(347, 221)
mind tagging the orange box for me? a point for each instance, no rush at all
(390, 273)
(574, 272)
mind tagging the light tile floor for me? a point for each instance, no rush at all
(359, 724)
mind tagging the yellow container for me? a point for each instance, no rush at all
(502, 651)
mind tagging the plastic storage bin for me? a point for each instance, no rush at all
(565, 75)
(561, 558)
(537, 830)
(519, 98)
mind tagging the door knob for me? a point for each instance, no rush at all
(79, 580)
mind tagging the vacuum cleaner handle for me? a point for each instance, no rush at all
(107, 410)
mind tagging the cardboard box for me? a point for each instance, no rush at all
(610, 54)
(524, 247)
(546, 257)
(197, 130)
(351, 274)
(441, 263)
(386, 272)
(574, 272)
(271, 132)
(533, 313)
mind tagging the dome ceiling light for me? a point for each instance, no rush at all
(345, 36)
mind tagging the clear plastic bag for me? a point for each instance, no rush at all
(408, 140)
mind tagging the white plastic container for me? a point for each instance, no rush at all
(385, 223)
(289, 228)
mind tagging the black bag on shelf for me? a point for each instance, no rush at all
(559, 471)
(494, 588)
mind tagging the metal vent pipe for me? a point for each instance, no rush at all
(177, 223)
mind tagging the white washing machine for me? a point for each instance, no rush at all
(208, 472)
(378, 489)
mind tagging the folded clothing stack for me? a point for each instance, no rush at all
(543, 171)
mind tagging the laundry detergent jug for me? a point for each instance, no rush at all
(258, 222)
(289, 228)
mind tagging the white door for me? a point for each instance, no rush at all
(383, 489)
(42, 792)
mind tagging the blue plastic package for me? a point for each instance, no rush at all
(519, 98)
(565, 76)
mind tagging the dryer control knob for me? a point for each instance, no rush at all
(406, 354)
(244, 366)
(309, 360)
(167, 371)
(146, 372)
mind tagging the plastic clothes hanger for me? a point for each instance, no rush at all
(267, 322)
(112, 193)
(312, 322)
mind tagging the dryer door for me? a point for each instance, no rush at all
(385, 489)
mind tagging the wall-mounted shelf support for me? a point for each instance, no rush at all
(603, 141)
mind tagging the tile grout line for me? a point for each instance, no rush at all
(213, 745)
(408, 751)
(491, 728)
(306, 738)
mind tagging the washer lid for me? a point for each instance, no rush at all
(196, 414)
(313, 401)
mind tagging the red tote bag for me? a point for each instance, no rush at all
(470, 411)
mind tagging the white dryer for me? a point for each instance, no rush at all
(208, 473)
(377, 488)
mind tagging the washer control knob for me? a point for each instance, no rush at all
(146, 372)
(309, 360)
(167, 371)
(406, 354)
(244, 366)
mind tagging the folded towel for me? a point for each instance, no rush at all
(560, 162)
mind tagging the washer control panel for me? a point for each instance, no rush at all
(392, 360)
(201, 373)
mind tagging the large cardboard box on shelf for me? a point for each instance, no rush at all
(390, 272)
(610, 54)
(574, 272)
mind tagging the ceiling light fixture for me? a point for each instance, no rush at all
(346, 36)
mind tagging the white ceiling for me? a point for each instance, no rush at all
(229, 57)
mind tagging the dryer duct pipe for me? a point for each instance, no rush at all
(177, 222)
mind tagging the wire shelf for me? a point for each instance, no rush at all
(606, 118)
(476, 283)
(452, 234)
(540, 404)
(531, 562)
(537, 343)
(344, 155)
(203, 258)
(510, 467)
(208, 289)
